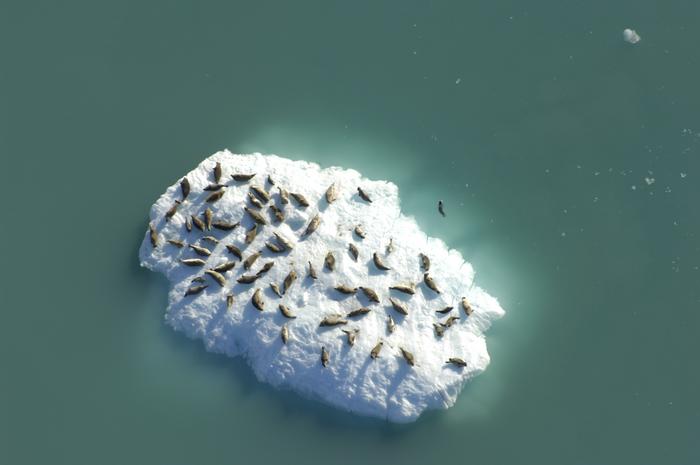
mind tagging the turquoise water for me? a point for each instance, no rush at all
(540, 153)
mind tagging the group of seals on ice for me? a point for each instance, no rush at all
(258, 197)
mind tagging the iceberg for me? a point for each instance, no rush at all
(327, 290)
(631, 36)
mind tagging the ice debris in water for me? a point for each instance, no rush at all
(631, 36)
(320, 282)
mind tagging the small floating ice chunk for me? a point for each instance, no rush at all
(631, 36)
(279, 333)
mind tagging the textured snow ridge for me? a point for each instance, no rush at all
(224, 316)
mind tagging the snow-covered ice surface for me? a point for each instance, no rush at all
(386, 387)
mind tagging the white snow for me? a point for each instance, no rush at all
(386, 387)
(631, 36)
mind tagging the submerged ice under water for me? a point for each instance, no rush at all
(223, 315)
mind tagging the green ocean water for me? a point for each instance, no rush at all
(568, 161)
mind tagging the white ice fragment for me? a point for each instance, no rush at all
(386, 387)
(649, 181)
(631, 36)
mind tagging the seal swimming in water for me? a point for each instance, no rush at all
(360, 232)
(153, 235)
(194, 290)
(218, 277)
(215, 196)
(345, 289)
(223, 226)
(329, 261)
(405, 288)
(185, 188)
(441, 208)
(257, 217)
(363, 195)
(351, 334)
(430, 283)
(378, 262)
(408, 356)
(242, 177)
(375, 351)
(286, 312)
(359, 312)
(192, 261)
(331, 193)
(251, 234)
(354, 253)
(313, 225)
(424, 261)
(257, 300)
(467, 308)
(370, 294)
(202, 251)
(248, 262)
(284, 334)
(456, 361)
(288, 281)
(447, 309)
(233, 250)
(333, 320)
(176, 242)
(325, 358)
(217, 172)
(300, 199)
(398, 306)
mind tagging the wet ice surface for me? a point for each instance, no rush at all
(386, 387)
